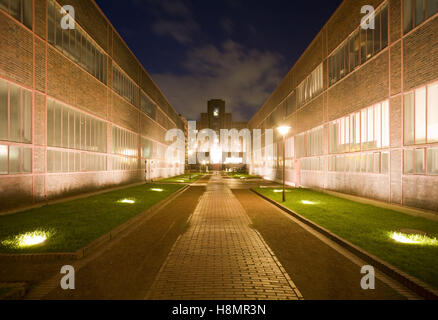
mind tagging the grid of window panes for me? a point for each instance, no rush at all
(125, 142)
(73, 161)
(147, 106)
(76, 44)
(359, 47)
(15, 159)
(417, 11)
(421, 115)
(124, 163)
(123, 85)
(312, 164)
(146, 148)
(311, 86)
(15, 113)
(371, 162)
(310, 143)
(20, 10)
(364, 130)
(68, 128)
(421, 161)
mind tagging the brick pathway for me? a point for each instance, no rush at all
(221, 257)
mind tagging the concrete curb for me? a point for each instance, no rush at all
(95, 244)
(409, 281)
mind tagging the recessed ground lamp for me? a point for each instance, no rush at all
(26, 240)
(307, 202)
(413, 238)
(157, 189)
(284, 130)
(130, 201)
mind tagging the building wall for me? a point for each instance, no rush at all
(30, 61)
(408, 62)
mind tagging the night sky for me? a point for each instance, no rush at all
(239, 51)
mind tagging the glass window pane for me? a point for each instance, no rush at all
(58, 121)
(14, 159)
(376, 162)
(419, 161)
(364, 127)
(15, 9)
(3, 159)
(407, 14)
(77, 130)
(370, 129)
(420, 7)
(15, 116)
(420, 115)
(385, 124)
(27, 14)
(432, 113)
(71, 129)
(377, 125)
(27, 160)
(3, 110)
(27, 116)
(409, 119)
(58, 35)
(432, 7)
(64, 161)
(50, 161)
(432, 161)
(384, 26)
(57, 161)
(370, 163)
(50, 129)
(377, 35)
(385, 162)
(4, 4)
(409, 161)
(51, 22)
(65, 127)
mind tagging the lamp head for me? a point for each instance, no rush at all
(283, 130)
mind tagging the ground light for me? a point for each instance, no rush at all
(307, 202)
(413, 239)
(157, 189)
(280, 190)
(28, 239)
(126, 201)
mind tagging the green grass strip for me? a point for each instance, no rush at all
(371, 228)
(72, 225)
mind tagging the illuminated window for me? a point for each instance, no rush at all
(123, 85)
(416, 11)
(421, 112)
(432, 161)
(311, 86)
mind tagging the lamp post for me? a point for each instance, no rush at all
(283, 130)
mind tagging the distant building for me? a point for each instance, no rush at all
(216, 118)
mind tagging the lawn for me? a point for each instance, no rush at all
(72, 225)
(184, 178)
(370, 228)
(242, 175)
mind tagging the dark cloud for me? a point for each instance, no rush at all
(243, 77)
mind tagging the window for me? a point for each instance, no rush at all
(364, 130)
(124, 142)
(416, 11)
(123, 85)
(147, 148)
(15, 160)
(147, 106)
(421, 112)
(311, 86)
(20, 9)
(414, 161)
(72, 129)
(432, 161)
(363, 43)
(15, 113)
(76, 44)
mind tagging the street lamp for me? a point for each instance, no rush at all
(284, 130)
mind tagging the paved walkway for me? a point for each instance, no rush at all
(221, 257)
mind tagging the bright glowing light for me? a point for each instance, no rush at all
(28, 239)
(126, 201)
(283, 130)
(157, 189)
(280, 190)
(180, 180)
(413, 238)
(307, 202)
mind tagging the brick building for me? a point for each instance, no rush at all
(363, 106)
(217, 118)
(78, 112)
